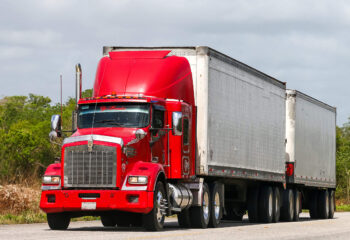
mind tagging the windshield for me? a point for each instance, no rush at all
(113, 115)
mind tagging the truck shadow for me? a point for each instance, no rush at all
(172, 225)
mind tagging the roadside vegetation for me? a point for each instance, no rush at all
(25, 152)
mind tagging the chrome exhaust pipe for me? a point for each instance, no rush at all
(78, 82)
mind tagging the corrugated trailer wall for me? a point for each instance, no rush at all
(246, 124)
(313, 150)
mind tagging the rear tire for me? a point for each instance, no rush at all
(287, 210)
(297, 205)
(200, 215)
(253, 213)
(108, 221)
(313, 204)
(184, 219)
(154, 220)
(323, 204)
(216, 206)
(331, 204)
(58, 221)
(276, 205)
(266, 205)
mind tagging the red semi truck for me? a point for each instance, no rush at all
(193, 132)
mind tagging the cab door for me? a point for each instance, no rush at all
(158, 135)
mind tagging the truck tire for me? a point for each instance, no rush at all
(266, 205)
(216, 205)
(200, 215)
(287, 210)
(108, 220)
(331, 203)
(253, 213)
(276, 205)
(183, 218)
(297, 205)
(154, 220)
(58, 221)
(313, 204)
(323, 204)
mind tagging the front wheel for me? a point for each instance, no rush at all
(58, 221)
(154, 220)
(108, 221)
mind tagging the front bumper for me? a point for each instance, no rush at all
(108, 200)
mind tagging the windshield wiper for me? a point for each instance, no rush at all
(110, 121)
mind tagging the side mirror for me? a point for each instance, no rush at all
(177, 123)
(56, 130)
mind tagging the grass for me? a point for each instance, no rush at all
(343, 208)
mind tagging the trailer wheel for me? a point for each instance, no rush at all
(331, 204)
(200, 215)
(297, 205)
(313, 204)
(154, 220)
(323, 204)
(216, 206)
(183, 218)
(58, 221)
(108, 221)
(266, 205)
(253, 213)
(277, 204)
(287, 210)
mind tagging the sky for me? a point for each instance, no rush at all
(305, 43)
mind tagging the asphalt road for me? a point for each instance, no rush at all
(338, 228)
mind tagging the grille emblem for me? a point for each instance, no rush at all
(90, 144)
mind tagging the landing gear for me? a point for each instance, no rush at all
(58, 221)
(154, 220)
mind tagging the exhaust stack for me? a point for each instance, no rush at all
(78, 82)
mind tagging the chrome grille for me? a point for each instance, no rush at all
(83, 168)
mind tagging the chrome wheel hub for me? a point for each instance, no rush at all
(217, 206)
(206, 206)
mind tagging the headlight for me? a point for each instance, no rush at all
(51, 180)
(138, 180)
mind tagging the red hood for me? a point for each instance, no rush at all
(127, 134)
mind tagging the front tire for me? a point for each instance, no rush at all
(108, 221)
(154, 220)
(58, 221)
(200, 215)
